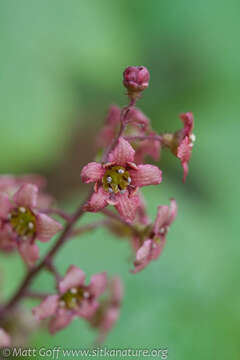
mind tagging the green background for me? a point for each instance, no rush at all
(61, 66)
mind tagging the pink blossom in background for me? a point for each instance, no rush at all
(24, 223)
(75, 299)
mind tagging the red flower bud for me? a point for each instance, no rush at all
(136, 78)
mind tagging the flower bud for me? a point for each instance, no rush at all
(136, 79)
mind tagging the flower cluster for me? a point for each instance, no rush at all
(126, 140)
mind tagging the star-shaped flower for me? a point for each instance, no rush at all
(21, 220)
(74, 299)
(117, 181)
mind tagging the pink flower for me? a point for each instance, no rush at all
(108, 312)
(181, 142)
(110, 127)
(75, 299)
(117, 181)
(4, 339)
(151, 248)
(186, 140)
(22, 221)
(148, 147)
(136, 78)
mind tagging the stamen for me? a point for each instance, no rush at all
(86, 294)
(122, 191)
(162, 231)
(110, 190)
(120, 171)
(62, 303)
(22, 209)
(30, 225)
(193, 137)
(73, 291)
(129, 180)
(109, 179)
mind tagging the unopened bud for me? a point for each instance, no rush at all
(135, 79)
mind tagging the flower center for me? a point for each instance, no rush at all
(73, 297)
(116, 179)
(23, 221)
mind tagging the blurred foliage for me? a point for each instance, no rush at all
(61, 67)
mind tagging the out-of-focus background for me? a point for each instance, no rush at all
(60, 67)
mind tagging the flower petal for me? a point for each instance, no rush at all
(127, 205)
(98, 284)
(61, 320)
(87, 308)
(109, 319)
(187, 119)
(122, 153)
(146, 175)
(29, 252)
(47, 308)
(144, 251)
(5, 206)
(75, 277)
(116, 287)
(46, 227)
(165, 216)
(98, 200)
(26, 196)
(92, 172)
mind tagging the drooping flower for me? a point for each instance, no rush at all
(24, 223)
(149, 246)
(5, 339)
(181, 142)
(74, 299)
(117, 181)
(108, 311)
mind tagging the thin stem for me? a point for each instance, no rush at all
(67, 232)
(46, 260)
(52, 269)
(88, 227)
(144, 137)
(118, 218)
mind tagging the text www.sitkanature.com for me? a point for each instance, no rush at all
(58, 353)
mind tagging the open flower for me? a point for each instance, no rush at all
(181, 142)
(74, 299)
(24, 223)
(4, 339)
(108, 311)
(117, 181)
(151, 245)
